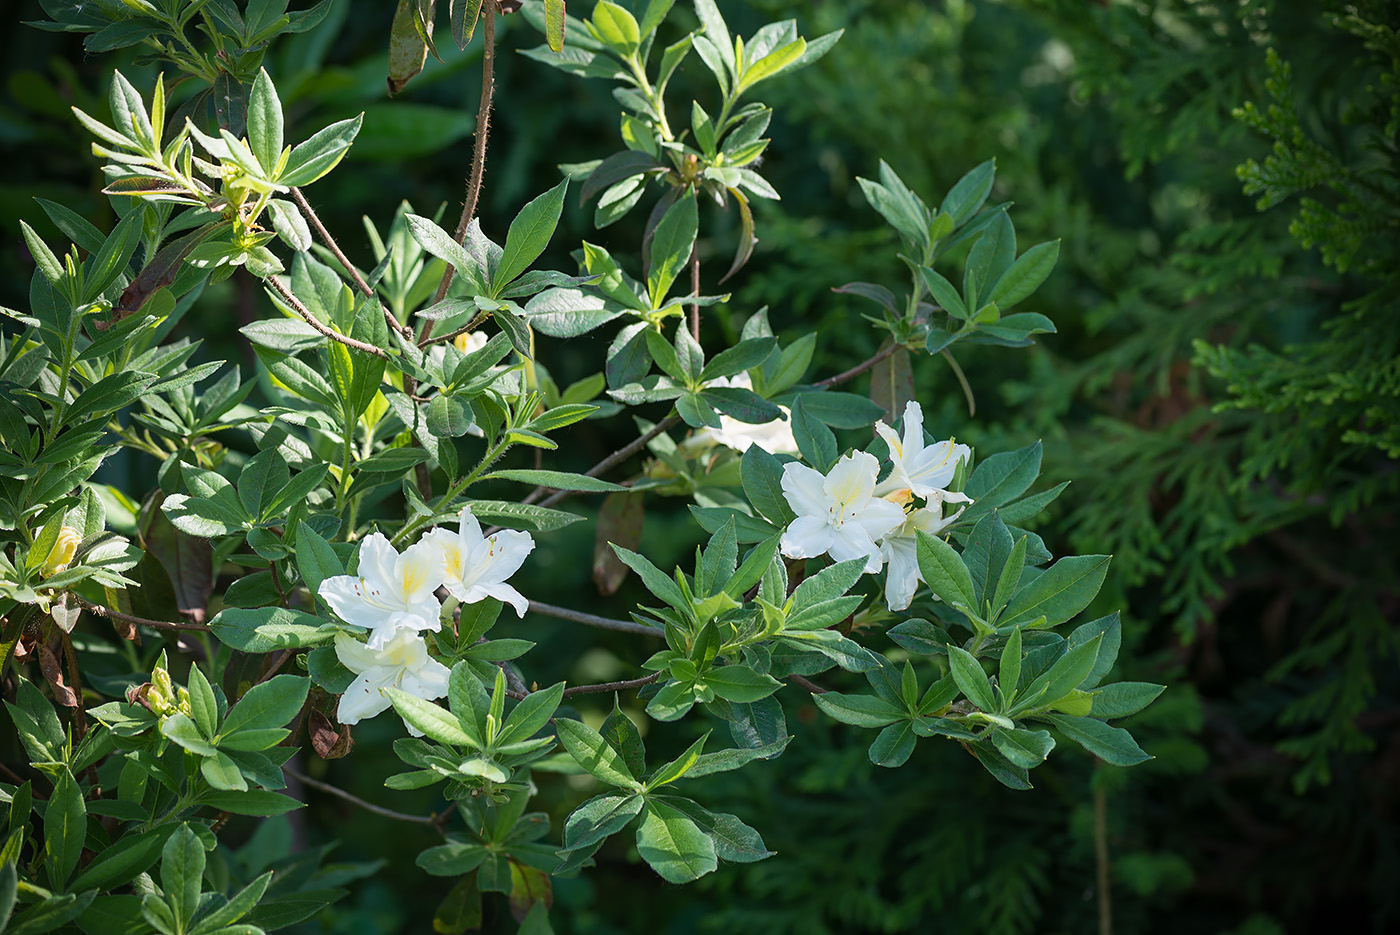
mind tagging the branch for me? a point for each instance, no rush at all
(350, 269)
(611, 686)
(808, 684)
(695, 289)
(617, 457)
(858, 369)
(592, 620)
(141, 621)
(483, 131)
(356, 800)
(315, 322)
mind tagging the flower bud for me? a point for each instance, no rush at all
(62, 552)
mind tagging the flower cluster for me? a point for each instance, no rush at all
(393, 598)
(850, 513)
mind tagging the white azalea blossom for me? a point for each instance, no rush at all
(477, 566)
(900, 549)
(774, 437)
(838, 514)
(391, 592)
(925, 470)
(403, 663)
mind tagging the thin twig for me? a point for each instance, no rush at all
(1101, 858)
(75, 678)
(695, 290)
(315, 322)
(349, 267)
(593, 620)
(469, 327)
(326, 787)
(611, 686)
(140, 621)
(617, 457)
(962, 381)
(807, 683)
(858, 369)
(483, 130)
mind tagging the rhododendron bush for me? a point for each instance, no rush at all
(336, 493)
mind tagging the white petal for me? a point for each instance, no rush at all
(507, 551)
(807, 537)
(802, 488)
(377, 561)
(363, 699)
(879, 517)
(913, 426)
(354, 601)
(449, 544)
(506, 595)
(354, 655)
(852, 480)
(850, 542)
(419, 571)
(902, 560)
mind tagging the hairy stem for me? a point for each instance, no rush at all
(483, 131)
(314, 322)
(140, 621)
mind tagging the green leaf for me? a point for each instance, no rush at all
(202, 704)
(1061, 592)
(944, 293)
(943, 570)
(594, 754)
(316, 560)
(1111, 629)
(671, 246)
(440, 244)
(622, 735)
(109, 394)
(762, 476)
(814, 440)
(1002, 478)
(531, 714)
(1113, 745)
(265, 123)
(1010, 577)
(528, 515)
(1066, 675)
(656, 581)
(734, 840)
(1009, 673)
(680, 766)
(971, 678)
(320, 153)
(859, 710)
(49, 914)
(599, 817)
(1024, 748)
(269, 705)
(740, 683)
(257, 802)
(238, 906)
(894, 745)
(267, 629)
(529, 234)
(722, 761)
(615, 27)
(182, 874)
(842, 410)
(1025, 275)
(431, 719)
(65, 828)
(673, 845)
(970, 192)
(1122, 699)
(556, 480)
(121, 862)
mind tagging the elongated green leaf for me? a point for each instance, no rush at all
(65, 827)
(269, 705)
(973, 681)
(1024, 748)
(859, 710)
(557, 480)
(671, 245)
(943, 570)
(594, 754)
(1113, 745)
(673, 845)
(1025, 275)
(431, 719)
(181, 874)
(1062, 591)
(599, 817)
(528, 235)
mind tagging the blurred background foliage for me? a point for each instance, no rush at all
(1224, 393)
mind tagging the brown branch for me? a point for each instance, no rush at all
(350, 269)
(465, 329)
(482, 132)
(807, 683)
(858, 369)
(593, 620)
(326, 787)
(695, 290)
(140, 621)
(617, 457)
(611, 686)
(315, 322)
(1105, 897)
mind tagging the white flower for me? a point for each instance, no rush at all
(403, 663)
(392, 592)
(900, 549)
(477, 566)
(837, 514)
(774, 437)
(924, 470)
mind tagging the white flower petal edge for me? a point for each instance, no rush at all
(838, 514)
(900, 549)
(477, 566)
(774, 437)
(403, 663)
(924, 470)
(392, 592)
